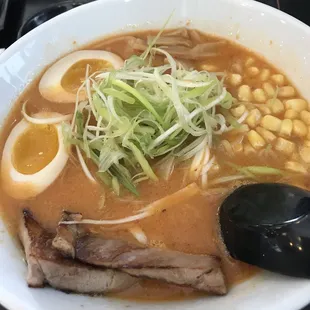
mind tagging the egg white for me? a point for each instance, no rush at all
(25, 186)
(50, 84)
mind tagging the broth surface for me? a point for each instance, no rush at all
(191, 227)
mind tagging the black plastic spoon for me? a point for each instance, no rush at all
(268, 225)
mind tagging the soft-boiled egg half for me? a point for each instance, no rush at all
(62, 80)
(33, 157)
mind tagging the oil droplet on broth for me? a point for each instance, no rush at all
(74, 77)
(35, 148)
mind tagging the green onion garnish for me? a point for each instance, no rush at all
(141, 112)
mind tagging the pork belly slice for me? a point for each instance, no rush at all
(200, 272)
(47, 266)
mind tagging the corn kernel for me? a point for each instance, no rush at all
(299, 128)
(307, 143)
(245, 93)
(235, 79)
(271, 123)
(304, 153)
(249, 62)
(286, 127)
(285, 146)
(291, 114)
(237, 68)
(209, 68)
(259, 95)
(242, 129)
(278, 79)
(249, 106)
(238, 111)
(296, 104)
(305, 117)
(253, 71)
(286, 91)
(264, 75)
(256, 140)
(254, 118)
(264, 109)
(276, 106)
(269, 89)
(295, 167)
(266, 134)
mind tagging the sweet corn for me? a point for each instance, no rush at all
(269, 89)
(271, 123)
(256, 140)
(304, 153)
(254, 118)
(266, 134)
(307, 143)
(253, 71)
(299, 128)
(286, 91)
(209, 68)
(276, 106)
(242, 129)
(249, 62)
(296, 104)
(278, 79)
(234, 79)
(305, 117)
(248, 150)
(295, 167)
(264, 109)
(245, 93)
(308, 135)
(237, 68)
(286, 128)
(264, 75)
(291, 114)
(249, 106)
(259, 95)
(238, 111)
(285, 146)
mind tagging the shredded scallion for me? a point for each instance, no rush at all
(142, 112)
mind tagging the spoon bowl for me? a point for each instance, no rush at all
(268, 225)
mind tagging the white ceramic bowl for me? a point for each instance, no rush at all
(283, 40)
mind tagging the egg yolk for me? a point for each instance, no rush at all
(35, 148)
(74, 77)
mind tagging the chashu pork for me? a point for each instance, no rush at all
(200, 272)
(47, 266)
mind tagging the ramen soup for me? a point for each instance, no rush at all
(144, 134)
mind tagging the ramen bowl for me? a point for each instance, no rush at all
(281, 39)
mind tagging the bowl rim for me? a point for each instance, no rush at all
(18, 45)
(33, 33)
